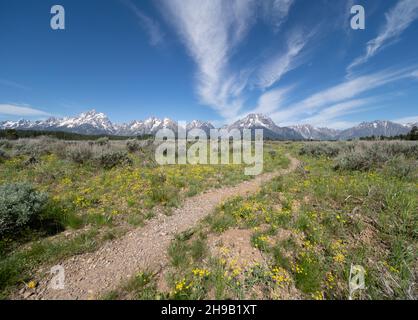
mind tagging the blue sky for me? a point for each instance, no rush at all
(297, 61)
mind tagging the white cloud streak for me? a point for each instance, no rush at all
(13, 84)
(326, 116)
(15, 110)
(398, 19)
(275, 12)
(211, 30)
(348, 90)
(274, 69)
(272, 100)
(407, 120)
(152, 27)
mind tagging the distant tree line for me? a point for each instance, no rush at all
(12, 134)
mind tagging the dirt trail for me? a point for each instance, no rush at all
(90, 275)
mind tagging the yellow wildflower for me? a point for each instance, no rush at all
(339, 258)
(318, 295)
(32, 284)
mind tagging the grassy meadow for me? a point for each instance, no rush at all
(347, 203)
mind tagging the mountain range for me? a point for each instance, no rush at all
(96, 123)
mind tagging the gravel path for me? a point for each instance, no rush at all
(89, 275)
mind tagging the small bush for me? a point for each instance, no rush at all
(32, 160)
(367, 156)
(38, 147)
(112, 159)
(20, 204)
(104, 141)
(3, 155)
(133, 146)
(80, 153)
(401, 168)
(360, 161)
(6, 144)
(320, 149)
(272, 154)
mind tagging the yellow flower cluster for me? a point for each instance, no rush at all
(81, 202)
(182, 285)
(339, 251)
(32, 284)
(339, 258)
(201, 272)
(391, 268)
(233, 270)
(330, 280)
(262, 238)
(248, 210)
(340, 218)
(66, 181)
(297, 268)
(280, 276)
(318, 295)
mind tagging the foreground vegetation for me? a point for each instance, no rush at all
(347, 204)
(61, 198)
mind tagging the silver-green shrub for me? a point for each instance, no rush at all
(80, 153)
(133, 145)
(20, 204)
(104, 141)
(372, 155)
(329, 150)
(111, 159)
(3, 155)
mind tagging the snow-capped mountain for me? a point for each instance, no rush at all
(202, 125)
(90, 122)
(96, 123)
(374, 128)
(365, 129)
(312, 133)
(271, 130)
(149, 126)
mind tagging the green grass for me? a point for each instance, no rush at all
(18, 267)
(348, 203)
(343, 217)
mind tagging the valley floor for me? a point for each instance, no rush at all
(138, 231)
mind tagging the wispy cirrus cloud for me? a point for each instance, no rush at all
(276, 67)
(152, 27)
(18, 110)
(211, 30)
(345, 91)
(329, 115)
(272, 100)
(407, 120)
(275, 12)
(398, 19)
(5, 82)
